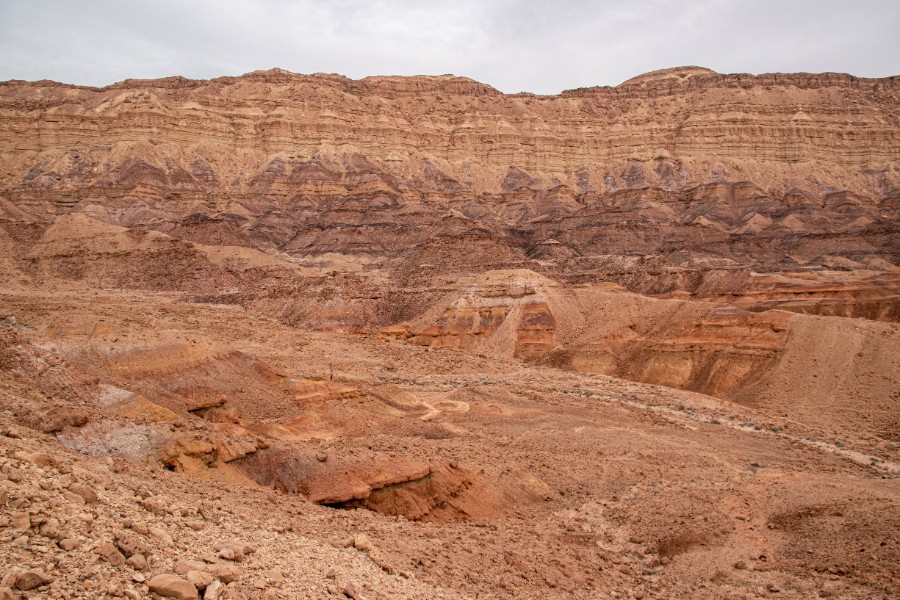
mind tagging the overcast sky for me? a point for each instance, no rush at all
(514, 45)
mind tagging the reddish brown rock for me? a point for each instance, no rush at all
(85, 492)
(31, 579)
(172, 586)
(110, 554)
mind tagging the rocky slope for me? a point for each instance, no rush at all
(767, 358)
(131, 456)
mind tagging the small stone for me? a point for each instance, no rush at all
(21, 520)
(137, 562)
(168, 585)
(139, 577)
(162, 535)
(111, 554)
(227, 573)
(276, 575)
(350, 592)
(58, 418)
(321, 457)
(139, 527)
(200, 579)
(114, 589)
(214, 590)
(130, 544)
(68, 544)
(740, 565)
(31, 579)
(87, 494)
(260, 585)
(73, 498)
(154, 506)
(7, 594)
(50, 529)
(183, 567)
(362, 543)
(234, 552)
(40, 460)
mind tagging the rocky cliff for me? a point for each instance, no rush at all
(683, 163)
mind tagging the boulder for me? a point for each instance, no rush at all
(168, 585)
(28, 580)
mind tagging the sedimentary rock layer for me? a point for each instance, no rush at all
(685, 163)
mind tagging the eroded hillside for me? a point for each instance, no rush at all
(303, 336)
(697, 169)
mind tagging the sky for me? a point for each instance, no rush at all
(535, 46)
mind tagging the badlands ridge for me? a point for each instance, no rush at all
(280, 336)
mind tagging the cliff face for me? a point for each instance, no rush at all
(685, 164)
(223, 134)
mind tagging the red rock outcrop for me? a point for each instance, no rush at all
(501, 310)
(722, 352)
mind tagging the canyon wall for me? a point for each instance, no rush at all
(692, 166)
